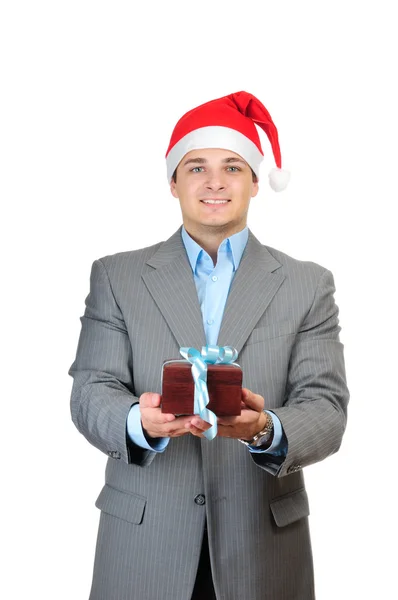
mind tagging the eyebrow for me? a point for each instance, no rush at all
(202, 161)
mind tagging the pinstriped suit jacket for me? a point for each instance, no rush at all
(281, 316)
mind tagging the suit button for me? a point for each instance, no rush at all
(200, 499)
(294, 468)
(114, 454)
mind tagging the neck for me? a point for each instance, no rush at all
(210, 238)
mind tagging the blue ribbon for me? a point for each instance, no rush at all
(209, 355)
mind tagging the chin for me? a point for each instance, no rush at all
(216, 223)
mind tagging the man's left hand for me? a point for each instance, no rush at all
(245, 426)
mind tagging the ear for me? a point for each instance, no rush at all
(255, 189)
(173, 189)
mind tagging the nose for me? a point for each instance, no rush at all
(215, 182)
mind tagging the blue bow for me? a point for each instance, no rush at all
(209, 355)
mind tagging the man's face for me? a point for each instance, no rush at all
(214, 174)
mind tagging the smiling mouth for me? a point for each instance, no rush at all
(212, 202)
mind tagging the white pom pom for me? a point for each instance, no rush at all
(278, 179)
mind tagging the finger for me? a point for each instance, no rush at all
(228, 421)
(178, 433)
(223, 431)
(196, 432)
(174, 429)
(181, 426)
(199, 423)
(233, 432)
(150, 400)
(178, 424)
(155, 416)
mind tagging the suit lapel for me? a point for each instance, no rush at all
(253, 287)
(172, 287)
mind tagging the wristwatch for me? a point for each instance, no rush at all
(263, 436)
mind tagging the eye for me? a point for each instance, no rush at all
(195, 171)
(236, 169)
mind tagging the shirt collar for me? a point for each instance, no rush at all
(236, 243)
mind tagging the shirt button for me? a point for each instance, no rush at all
(210, 321)
(214, 278)
(200, 499)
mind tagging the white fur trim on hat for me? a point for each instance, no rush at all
(278, 179)
(214, 137)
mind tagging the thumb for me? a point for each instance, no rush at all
(150, 400)
(252, 400)
(246, 393)
(156, 399)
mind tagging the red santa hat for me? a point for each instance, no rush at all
(230, 123)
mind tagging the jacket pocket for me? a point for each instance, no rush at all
(124, 505)
(290, 507)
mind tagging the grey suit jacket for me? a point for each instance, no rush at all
(281, 317)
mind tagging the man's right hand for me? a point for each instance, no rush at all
(160, 425)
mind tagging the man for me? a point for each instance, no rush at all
(183, 517)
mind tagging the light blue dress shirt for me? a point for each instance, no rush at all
(212, 284)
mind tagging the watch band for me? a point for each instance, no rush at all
(262, 436)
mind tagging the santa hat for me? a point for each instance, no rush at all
(229, 123)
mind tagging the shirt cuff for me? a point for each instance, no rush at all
(278, 445)
(134, 429)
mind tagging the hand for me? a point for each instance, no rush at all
(245, 426)
(157, 424)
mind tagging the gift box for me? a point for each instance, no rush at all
(224, 387)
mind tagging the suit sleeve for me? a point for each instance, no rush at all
(314, 412)
(103, 389)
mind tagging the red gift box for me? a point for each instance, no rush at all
(224, 385)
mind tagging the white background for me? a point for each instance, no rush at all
(90, 94)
